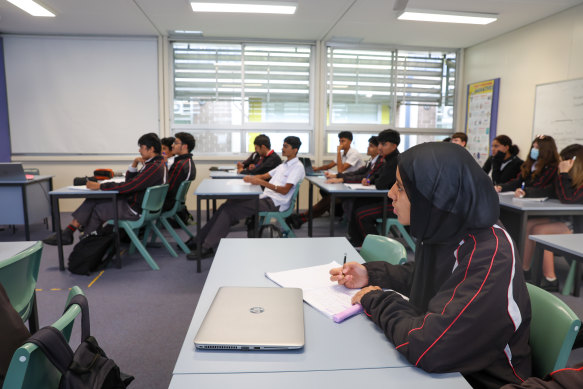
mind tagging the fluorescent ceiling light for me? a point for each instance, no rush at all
(259, 7)
(447, 17)
(188, 32)
(32, 8)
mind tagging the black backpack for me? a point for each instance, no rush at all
(92, 252)
(88, 367)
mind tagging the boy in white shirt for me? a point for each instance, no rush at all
(347, 158)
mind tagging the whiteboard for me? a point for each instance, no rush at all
(80, 95)
(558, 112)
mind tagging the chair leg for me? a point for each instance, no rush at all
(137, 244)
(174, 235)
(183, 226)
(286, 230)
(570, 281)
(163, 239)
(407, 237)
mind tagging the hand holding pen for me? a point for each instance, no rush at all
(352, 275)
(520, 192)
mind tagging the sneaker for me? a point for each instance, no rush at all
(550, 286)
(206, 253)
(294, 220)
(66, 238)
(191, 244)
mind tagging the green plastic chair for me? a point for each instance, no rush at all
(152, 209)
(392, 222)
(29, 366)
(553, 329)
(265, 217)
(382, 248)
(179, 205)
(19, 275)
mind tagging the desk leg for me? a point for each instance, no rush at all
(577, 285)
(522, 233)
(536, 264)
(208, 210)
(25, 210)
(116, 231)
(198, 240)
(332, 212)
(57, 223)
(256, 230)
(310, 201)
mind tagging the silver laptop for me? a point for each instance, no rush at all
(11, 171)
(247, 318)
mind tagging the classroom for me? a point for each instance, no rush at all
(78, 88)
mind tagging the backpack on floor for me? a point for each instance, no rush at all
(93, 252)
(86, 368)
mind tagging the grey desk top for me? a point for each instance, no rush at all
(212, 187)
(31, 181)
(10, 249)
(338, 379)
(570, 243)
(225, 175)
(354, 344)
(82, 193)
(508, 200)
(320, 182)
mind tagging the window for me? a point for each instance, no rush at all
(225, 94)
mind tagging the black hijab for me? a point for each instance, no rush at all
(450, 197)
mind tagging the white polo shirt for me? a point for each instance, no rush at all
(289, 172)
(352, 157)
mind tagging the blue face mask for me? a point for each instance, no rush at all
(534, 154)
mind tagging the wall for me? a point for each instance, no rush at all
(546, 51)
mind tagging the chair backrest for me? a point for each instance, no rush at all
(292, 203)
(180, 196)
(382, 248)
(19, 275)
(553, 329)
(29, 367)
(153, 201)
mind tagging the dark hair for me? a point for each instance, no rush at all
(448, 139)
(345, 135)
(570, 151)
(505, 140)
(547, 156)
(262, 140)
(167, 142)
(293, 141)
(374, 140)
(460, 135)
(389, 135)
(186, 139)
(151, 140)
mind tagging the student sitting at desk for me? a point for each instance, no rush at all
(167, 151)
(262, 160)
(504, 161)
(182, 168)
(92, 213)
(347, 158)
(468, 309)
(277, 195)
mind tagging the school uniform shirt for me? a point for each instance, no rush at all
(566, 192)
(352, 157)
(264, 164)
(502, 170)
(182, 169)
(289, 172)
(364, 172)
(468, 309)
(386, 175)
(543, 185)
(153, 173)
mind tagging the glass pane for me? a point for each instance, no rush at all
(216, 142)
(277, 138)
(359, 142)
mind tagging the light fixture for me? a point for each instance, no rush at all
(188, 32)
(447, 16)
(32, 8)
(250, 6)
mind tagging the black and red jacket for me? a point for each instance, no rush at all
(366, 171)
(154, 172)
(182, 169)
(543, 185)
(565, 190)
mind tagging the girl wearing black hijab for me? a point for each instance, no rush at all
(468, 307)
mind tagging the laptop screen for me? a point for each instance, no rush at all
(11, 171)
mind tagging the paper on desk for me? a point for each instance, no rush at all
(361, 187)
(530, 198)
(508, 192)
(324, 295)
(237, 182)
(79, 187)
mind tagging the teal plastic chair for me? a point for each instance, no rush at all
(553, 329)
(265, 217)
(152, 209)
(392, 222)
(179, 205)
(29, 366)
(382, 248)
(19, 275)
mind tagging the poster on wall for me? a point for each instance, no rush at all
(481, 117)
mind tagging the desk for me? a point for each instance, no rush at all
(566, 245)
(234, 264)
(514, 214)
(25, 202)
(340, 190)
(223, 189)
(68, 193)
(225, 175)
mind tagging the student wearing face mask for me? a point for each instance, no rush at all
(537, 173)
(504, 162)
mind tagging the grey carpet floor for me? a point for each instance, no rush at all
(140, 316)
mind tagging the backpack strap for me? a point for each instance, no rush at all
(81, 300)
(52, 342)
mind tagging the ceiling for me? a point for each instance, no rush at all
(363, 21)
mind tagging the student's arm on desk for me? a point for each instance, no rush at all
(261, 180)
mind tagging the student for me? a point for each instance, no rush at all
(459, 138)
(167, 151)
(94, 212)
(537, 173)
(276, 197)
(182, 169)
(569, 189)
(468, 308)
(347, 158)
(264, 159)
(504, 161)
(368, 209)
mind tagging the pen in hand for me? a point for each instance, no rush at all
(343, 264)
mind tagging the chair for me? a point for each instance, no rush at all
(382, 248)
(265, 217)
(179, 205)
(29, 366)
(152, 209)
(392, 222)
(553, 329)
(19, 275)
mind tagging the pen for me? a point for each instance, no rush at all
(575, 157)
(344, 262)
(523, 185)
